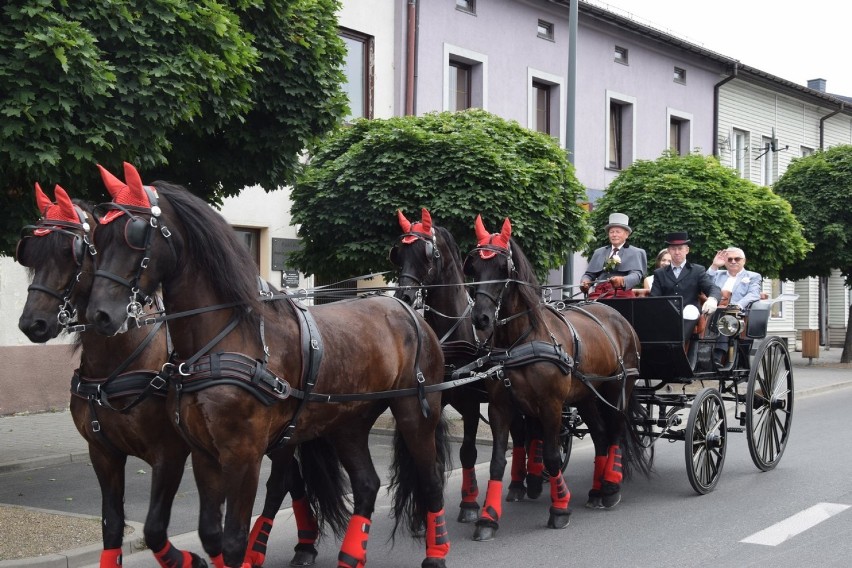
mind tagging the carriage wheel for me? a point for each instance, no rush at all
(706, 440)
(769, 403)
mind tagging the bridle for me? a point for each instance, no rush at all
(433, 256)
(80, 245)
(488, 252)
(139, 230)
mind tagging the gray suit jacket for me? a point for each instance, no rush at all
(746, 286)
(634, 264)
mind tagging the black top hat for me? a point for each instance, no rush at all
(680, 238)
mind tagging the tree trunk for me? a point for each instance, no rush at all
(846, 356)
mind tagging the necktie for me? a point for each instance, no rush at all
(676, 271)
(614, 252)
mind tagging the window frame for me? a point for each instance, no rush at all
(368, 71)
(254, 235)
(558, 103)
(767, 165)
(739, 152)
(621, 55)
(466, 6)
(549, 30)
(620, 137)
(679, 78)
(478, 63)
(684, 122)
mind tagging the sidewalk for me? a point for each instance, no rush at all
(39, 440)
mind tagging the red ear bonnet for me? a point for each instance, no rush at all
(484, 238)
(422, 227)
(131, 193)
(62, 210)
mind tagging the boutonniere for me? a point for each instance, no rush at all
(612, 263)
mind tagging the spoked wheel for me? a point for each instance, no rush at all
(769, 403)
(706, 440)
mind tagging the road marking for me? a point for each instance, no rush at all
(798, 523)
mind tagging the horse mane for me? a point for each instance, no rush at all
(450, 242)
(530, 293)
(213, 246)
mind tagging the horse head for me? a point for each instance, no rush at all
(57, 253)
(491, 267)
(416, 255)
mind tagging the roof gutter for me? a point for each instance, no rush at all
(716, 88)
(822, 126)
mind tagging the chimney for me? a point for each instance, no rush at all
(817, 85)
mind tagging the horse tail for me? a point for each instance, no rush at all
(410, 497)
(635, 455)
(326, 485)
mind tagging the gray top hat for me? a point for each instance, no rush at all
(618, 220)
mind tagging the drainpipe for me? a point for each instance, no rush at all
(570, 124)
(411, 49)
(716, 88)
(822, 125)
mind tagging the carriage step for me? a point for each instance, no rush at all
(735, 429)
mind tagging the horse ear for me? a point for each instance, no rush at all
(404, 223)
(482, 234)
(134, 182)
(113, 184)
(426, 220)
(64, 203)
(506, 232)
(42, 200)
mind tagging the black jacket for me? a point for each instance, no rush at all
(693, 280)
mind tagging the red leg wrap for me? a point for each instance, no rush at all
(519, 466)
(437, 537)
(493, 507)
(597, 479)
(306, 523)
(559, 494)
(353, 551)
(171, 557)
(258, 539)
(535, 462)
(469, 490)
(111, 557)
(612, 472)
(218, 561)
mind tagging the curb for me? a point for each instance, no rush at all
(42, 461)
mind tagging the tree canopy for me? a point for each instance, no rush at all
(215, 95)
(457, 165)
(695, 193)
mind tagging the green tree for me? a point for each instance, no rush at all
(457, 165)
(214, 95)
(819, 187)
(695, 193)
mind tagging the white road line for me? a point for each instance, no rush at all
(798, 523)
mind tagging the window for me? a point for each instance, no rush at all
(545, 105)
(620, 55)
(739, 152)
(468, 6)
(680, 75)
(250, 238)
(767, 162)
(545, 30)
(806, 151)
(465, 79)
(680, 131)
(358, 70)
(620, 133)
(459, 86)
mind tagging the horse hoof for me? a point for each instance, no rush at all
(610, 501)
(485, 530)
(306, 555)
(534, 485)
(197, 561)
(468, 513)
(559, 518)
(434, 563)
(594, 502)
(516, 492)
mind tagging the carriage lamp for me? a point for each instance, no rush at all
(729, 325)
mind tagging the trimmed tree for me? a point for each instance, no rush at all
(457, 165)
(819, 187)
(697, 194)
(215, 95)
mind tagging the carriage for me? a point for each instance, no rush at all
(685, 396)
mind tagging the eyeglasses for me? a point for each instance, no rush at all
(735, 259)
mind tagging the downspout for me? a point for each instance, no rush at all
(570, 126)
(716, 88)
(411, 47)
(822, 125)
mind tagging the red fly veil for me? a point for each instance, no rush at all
(498, 240)
(422, 227)
(130, 193)
(62, 210)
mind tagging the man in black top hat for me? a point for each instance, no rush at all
(685, 279)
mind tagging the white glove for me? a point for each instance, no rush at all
(709, 306)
